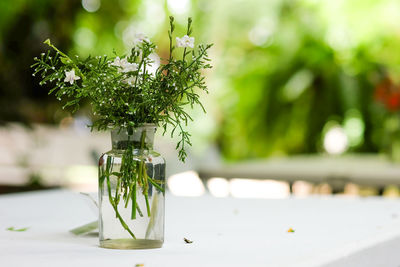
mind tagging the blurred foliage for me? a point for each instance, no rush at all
(292, 67)
(285, 70)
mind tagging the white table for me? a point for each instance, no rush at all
(329, 231)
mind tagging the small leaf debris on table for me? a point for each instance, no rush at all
(139, 265)
(13, 229)
(291, 230)
(187, 241)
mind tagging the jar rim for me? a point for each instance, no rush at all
(146, 124)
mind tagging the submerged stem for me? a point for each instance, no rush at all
(126, 227)
(143, 173)
(154, 183)
(139, 210)
(147, 205)
(133, 215)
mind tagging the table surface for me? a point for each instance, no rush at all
(329, 231)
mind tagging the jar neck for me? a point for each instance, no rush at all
(141, 137)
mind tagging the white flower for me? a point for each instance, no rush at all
(117, 62)
(185, 41)
(124, 65)
(70, 76)
(127, 67)
(131, 81)
(140, 37)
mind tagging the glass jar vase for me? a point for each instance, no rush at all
(132, 191)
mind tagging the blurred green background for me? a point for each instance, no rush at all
(286, 72)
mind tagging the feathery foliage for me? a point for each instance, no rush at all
(123, 92)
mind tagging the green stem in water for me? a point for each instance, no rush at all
(117, 195)
(126, 227)
(146, 188)
(139, 210)
(154, 183)
(143, 174)
(133, 215)
(147, 205)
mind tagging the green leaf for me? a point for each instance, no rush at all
(84, 229)
(17, 230)
(47, 41)
(65, 60)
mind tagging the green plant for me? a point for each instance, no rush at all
(125, 94)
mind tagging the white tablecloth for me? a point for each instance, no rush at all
(329, 231)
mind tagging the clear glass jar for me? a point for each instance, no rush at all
(132, 191)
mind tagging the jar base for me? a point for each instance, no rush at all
(131, 243)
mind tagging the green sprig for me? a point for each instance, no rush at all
(130, 98)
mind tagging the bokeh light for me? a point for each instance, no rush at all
(218, 187)
(250, 188)
(186, 184)
(335, 141)
(178, 6)
(91, 5)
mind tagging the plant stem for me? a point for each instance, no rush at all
(171, 48)
(147, 205)
(117, 195)
(154, 208)
(70, 61)
(139, 211)
(126, 227)
(143, 174)
(133, 215)
(154, 183)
